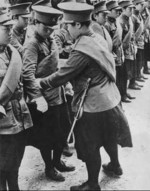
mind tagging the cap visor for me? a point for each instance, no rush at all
(55, 27)
(106, 11)
(132, 6)
(10, 22)
(69, 22)
(118, 8)
(26, 16)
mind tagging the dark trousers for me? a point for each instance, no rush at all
(49, 132)
(121, 79)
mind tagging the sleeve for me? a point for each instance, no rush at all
(30, 61)
(73, 67)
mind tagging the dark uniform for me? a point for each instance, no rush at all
(100, 7)
(129, 48)
(97, 126)
(138, 24)
(115, 32)
(19, 33)
(14, 114)
(40, 59)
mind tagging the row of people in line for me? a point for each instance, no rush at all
(91, 51)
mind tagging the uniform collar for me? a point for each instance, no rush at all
(125, 17)
(111, 19)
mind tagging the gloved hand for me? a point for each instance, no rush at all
(42, 105)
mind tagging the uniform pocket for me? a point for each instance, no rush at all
(9, 121)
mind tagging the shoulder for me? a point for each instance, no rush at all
(32, 44)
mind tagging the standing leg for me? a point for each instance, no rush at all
(58, 163)
(3, 180)
(93, 165)
(50, 171)
(114, 165)
(12, 179)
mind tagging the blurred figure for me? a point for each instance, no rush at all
(14, 114)
(20, 14)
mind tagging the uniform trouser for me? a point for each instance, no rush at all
(49, 132)
(121, 79)
(12, 149)
(146, 55)
(139, 61)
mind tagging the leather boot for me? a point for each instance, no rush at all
(53, 174)
(109, 168)
(62, 167)
(86, 186)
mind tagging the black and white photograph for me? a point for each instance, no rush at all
(74, 95)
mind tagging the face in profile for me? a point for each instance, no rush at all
(5, 34)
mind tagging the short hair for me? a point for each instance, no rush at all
(85, 23)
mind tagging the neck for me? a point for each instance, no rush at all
(85, 32)
(18, 27)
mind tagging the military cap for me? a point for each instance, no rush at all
(5, 18)
(138, 2)
(126, 3)
(100, 7)
(20, 9)
(43, 2)
(46, 15)
(78, 1)
(112, 5)
(76, 12)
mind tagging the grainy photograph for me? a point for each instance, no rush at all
(74, 95)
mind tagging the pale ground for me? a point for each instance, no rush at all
(135, 161)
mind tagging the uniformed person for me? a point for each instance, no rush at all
(138, 24)
(128, 43)
(102, 122)
(14, 114)
(115, 30)
(40, 59)
(99, 16)
(146, 18)
(20, 13)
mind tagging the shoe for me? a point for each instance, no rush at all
(134, 87)
(125, 99)
(129, 96)
(67, 151)
(109, 168)
(138, 85)
(54, 175)
(146, 72)
(85, 186)
(145, 78)
(140, 80)
(62, 167)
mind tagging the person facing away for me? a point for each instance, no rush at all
(14, 114)
(102, 121)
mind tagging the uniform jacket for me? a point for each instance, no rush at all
(138, 26)
(116, 35)
(89, 59)
(18, 38)
(40, 59)
(11, 94)
(128, 42)
(97, 28)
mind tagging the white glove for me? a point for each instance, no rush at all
(42, 105)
